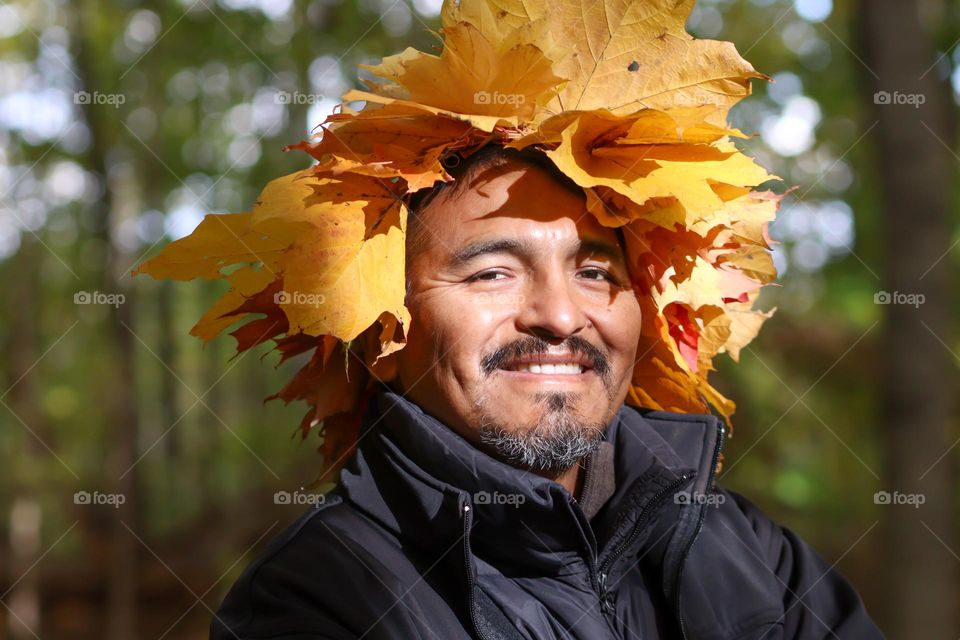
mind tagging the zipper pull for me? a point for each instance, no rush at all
(606, 599)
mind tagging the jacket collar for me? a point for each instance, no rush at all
(413, 475)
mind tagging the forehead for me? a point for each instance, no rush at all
(513, 199)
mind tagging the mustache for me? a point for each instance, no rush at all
(533, 345)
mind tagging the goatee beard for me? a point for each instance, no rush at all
(553, 445)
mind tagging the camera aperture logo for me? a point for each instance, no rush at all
(512, 499)
(299, 497)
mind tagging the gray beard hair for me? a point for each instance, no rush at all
(553, 445)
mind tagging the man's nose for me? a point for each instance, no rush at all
(551, 307)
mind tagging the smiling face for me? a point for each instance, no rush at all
(524, 324)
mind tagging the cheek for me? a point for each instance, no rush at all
(423, 341)
(621, 327)
(453, 332)
(472, 330)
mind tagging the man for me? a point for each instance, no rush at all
(512, 270)
(502, 488)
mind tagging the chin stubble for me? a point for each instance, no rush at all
(562, 437)
(553, 445)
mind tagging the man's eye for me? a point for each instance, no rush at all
(485, 275)
(598, 274)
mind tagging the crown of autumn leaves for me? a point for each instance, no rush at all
(619, 97)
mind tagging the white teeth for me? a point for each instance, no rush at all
(567, 368)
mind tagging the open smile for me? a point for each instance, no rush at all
(554, 366)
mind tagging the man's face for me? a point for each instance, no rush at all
(524, 324)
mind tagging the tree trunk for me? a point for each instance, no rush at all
(168, 410)
(25, 517)
(917, 415)
(120, 391)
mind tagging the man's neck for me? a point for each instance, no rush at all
(571, 479)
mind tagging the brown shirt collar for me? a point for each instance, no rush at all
(599, 480)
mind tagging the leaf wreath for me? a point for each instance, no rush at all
(620, 98)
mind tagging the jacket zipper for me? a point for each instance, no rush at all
(467, 514)
(686, 551)
(604, 568)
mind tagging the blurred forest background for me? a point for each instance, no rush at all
(139, 470)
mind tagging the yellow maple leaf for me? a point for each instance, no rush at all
(346, 267)
(621, 56)
(245, 282)
(592, 154)
(221, 240)
(398, 140)
(508, 79)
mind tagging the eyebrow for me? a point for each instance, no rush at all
(600, 248)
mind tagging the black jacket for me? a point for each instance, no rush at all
(427, 537)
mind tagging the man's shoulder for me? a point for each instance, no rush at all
(308, 574)
(738, 514)
(740, 538)
(754, 527)
(673, 416)
(325, 534)
(687, 440)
